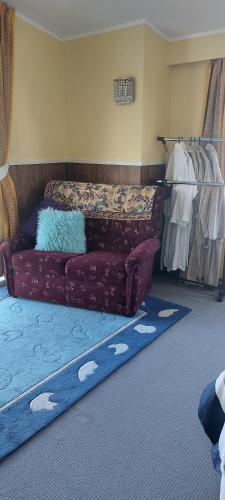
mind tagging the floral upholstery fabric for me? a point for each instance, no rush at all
(113, 276)
(99, 267)
(33, 261)
(105, 201)
(8, 249)
(112, 233)
(60, 290)
(139, 267)
(120, 236)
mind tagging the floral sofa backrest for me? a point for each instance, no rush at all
(118, 217)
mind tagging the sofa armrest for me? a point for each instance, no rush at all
(16, 244)
(139, 265)
(141, 254)
(8, 248)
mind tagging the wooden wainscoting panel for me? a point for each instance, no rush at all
(152, 172)
(30, 182)
(104, 174)
(114, 174)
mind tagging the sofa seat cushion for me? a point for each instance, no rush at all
(37, 261)
(97, 266)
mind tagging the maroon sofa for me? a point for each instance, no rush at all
(123, 226)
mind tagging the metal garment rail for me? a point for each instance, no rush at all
(168, 184)
(191, 139)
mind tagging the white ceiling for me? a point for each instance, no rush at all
(172, 18)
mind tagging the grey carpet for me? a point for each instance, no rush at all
(137, 435)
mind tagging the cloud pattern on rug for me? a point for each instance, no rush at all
(47, 352)
(16, 307)
(86, 370)
(145, 329)
(5, 378)
(167, 313)
(119, 348)
(10, 335)
(42, 402)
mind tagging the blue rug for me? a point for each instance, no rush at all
(3, 292)
(51, 355)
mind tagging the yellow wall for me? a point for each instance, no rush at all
(188, 60)
(187, 98)
(156, 95)
(100, 130)
(196, 49)
(38, 114)
(63, 105)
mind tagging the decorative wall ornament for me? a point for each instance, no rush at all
(124, 90)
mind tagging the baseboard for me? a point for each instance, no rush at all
(121, 163)
(106, 163)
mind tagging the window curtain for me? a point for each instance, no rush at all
(8, 200)
(214, 122)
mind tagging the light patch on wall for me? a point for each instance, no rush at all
(187, 98)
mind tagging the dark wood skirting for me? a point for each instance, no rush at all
(114, 174)
(30, 182)
(104, 174)
(152, 172)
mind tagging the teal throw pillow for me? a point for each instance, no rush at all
(61, 231)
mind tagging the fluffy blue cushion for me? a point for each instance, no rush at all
(61, 231)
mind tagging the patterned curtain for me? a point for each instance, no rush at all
(214, 123)
(8, 200)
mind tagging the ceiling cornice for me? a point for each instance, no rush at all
(196, 35)
(37, 26)
(157, 31)
(138, 22)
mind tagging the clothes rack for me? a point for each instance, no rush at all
(168, 184)
(165, 183)
(190, 139)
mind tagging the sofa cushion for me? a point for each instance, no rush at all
(36, 261)
(120, 236)
(97, 266)
(60, 231)
(29, 227)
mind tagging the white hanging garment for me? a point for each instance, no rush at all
(209, 225)
(213, 224)
(204, 173)
(178, 210)
(215, 219)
